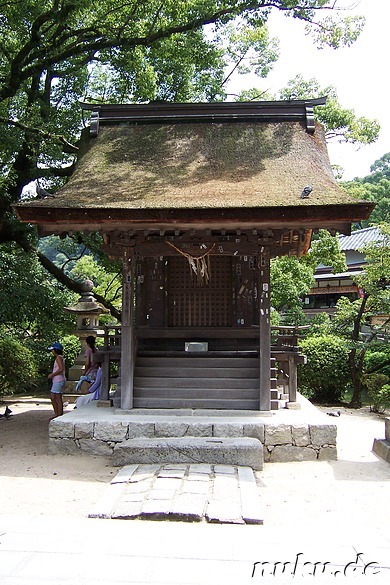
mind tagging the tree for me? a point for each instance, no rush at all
(56, 52)
(31, 301)
(291, 279)
(354, 320)
(374, 187)
(341, 124)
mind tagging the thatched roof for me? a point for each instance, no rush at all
(141, 168)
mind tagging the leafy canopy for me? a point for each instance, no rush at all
(341, 124)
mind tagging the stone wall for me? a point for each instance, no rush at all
(281, 442)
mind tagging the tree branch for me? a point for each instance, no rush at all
(36, 57)
(70, 284)
(46, 135)
(378, 367)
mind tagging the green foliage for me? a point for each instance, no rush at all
(378, 392)
(377, 358)
(351, 317)
(326, 374)
(376, 274)
(72, 348)
(248, 49)
(18, 367)
(320, 324)
(340, 123)
(290, 280)
(376, 188)
(63, 252)
(31, 301)
(325, 249)
(107, 284)
(337, 35)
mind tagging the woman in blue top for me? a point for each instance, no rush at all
(93, 390)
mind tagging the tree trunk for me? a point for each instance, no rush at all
(356, 360)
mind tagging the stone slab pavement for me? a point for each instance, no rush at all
(189, 492)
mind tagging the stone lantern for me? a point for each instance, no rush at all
(87, 311)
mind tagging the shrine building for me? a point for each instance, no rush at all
(196, 199)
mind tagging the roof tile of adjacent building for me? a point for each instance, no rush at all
(360, 238)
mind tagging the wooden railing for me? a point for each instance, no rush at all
(286, 351)
(287, 336)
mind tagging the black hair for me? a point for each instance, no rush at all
(58, 351)
(91, 340)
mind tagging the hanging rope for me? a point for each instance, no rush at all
(200, 265)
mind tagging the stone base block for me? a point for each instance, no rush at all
(104, 403)
(227, 451)
(381, 448)
(293, 406)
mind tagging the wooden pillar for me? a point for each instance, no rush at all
(265, 329)
(127, 337)
(105, 384)
(293, 379)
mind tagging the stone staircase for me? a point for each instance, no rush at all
(196, 381)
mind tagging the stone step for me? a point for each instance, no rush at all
(213, 450)
(216, 403)
(201, 383)
(194, 392)
(190, 372)
(197, 361)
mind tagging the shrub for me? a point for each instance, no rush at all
(18, 367)
(378, 391)
(72, 349)
(326, 375)
(376, 357)
(382, 399)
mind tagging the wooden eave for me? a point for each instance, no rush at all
(55, 220)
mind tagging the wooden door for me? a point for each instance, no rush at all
(200, 304)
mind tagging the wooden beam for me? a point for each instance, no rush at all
(156, 249)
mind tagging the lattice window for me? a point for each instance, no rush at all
(192, 305)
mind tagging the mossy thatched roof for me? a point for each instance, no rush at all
(201, 166)
(205, 164)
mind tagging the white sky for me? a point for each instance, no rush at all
(360, 74)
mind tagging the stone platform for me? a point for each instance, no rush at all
(305, 434)
(186, 492)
